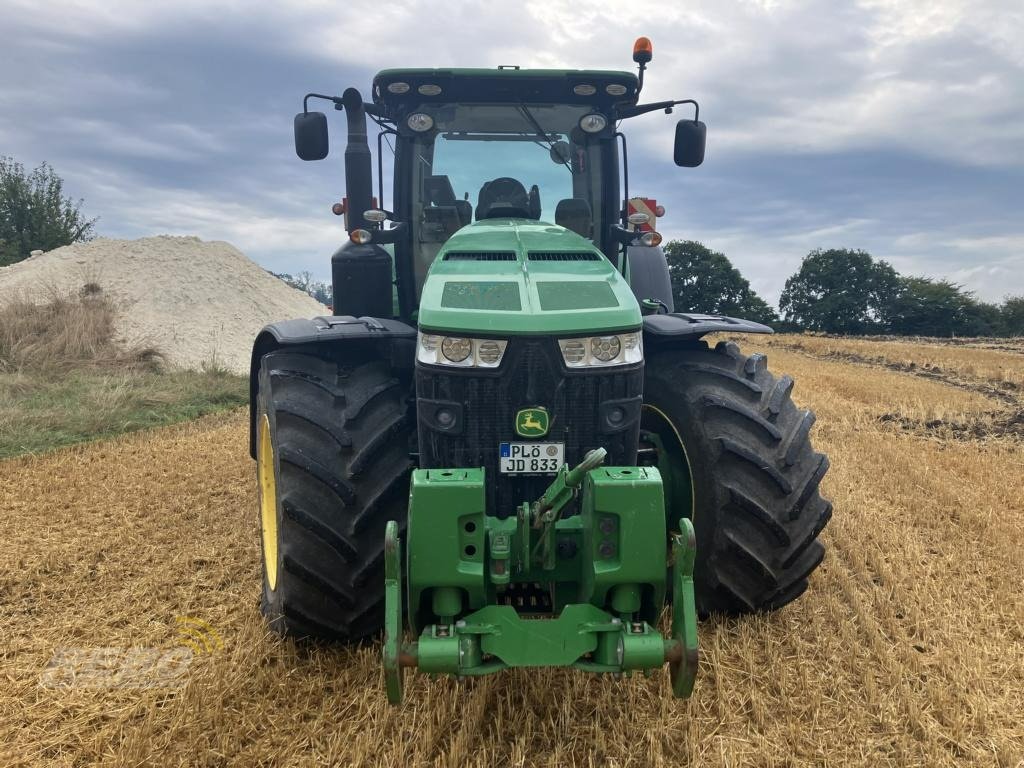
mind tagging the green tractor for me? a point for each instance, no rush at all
(506, 448)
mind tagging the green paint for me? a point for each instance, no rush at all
(393, 613)
(538, 643)
(446, 538)
(684, 610)
(487, 296)
(607, 589)
(524, 296)
(556, 295)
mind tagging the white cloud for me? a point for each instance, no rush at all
(939, 81)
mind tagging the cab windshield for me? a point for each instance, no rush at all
(502, 161)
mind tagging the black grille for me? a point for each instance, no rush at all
(563, 256)
(480, 256)
(532, 374)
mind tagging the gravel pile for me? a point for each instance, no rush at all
(199, 302)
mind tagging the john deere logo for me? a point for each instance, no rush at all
(532, 422)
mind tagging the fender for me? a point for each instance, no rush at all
(650, 279)
(327, 333)
(677, 326)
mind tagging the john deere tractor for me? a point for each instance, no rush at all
(506, 447)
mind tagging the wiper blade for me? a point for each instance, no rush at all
(536, 126)
(550, 145)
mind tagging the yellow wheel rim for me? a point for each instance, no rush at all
(268, 500)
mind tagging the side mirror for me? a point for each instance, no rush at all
(691, 136)
(560, 153)
(311, 135)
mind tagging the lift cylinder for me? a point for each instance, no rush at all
(362, 279)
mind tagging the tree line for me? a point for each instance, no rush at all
(305, 282)
(839, 291)
(836, 291)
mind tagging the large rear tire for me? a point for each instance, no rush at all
(333, 466)
(752, 479)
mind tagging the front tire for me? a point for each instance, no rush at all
(333, 467)
(753, 476)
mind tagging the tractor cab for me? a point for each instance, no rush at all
(481, 145)
(537, 145)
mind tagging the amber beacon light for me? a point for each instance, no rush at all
(643, 51)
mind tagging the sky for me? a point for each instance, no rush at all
(894, 126)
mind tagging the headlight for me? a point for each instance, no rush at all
(459, 351)
(593, 123)
(420, 122)
(597, 351)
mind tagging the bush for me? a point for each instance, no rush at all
(67, 331)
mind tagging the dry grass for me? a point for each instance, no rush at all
(68, 331)
(907, 650)
(66, 377)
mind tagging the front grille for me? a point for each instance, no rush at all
(486, 402)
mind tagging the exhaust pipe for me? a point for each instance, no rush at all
(361, 274)
(358, 165)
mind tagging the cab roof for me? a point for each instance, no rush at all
(506, 85)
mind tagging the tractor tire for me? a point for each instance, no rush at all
(333, 464)
(754, 476)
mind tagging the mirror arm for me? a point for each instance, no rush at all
(335, 99)
(643, 109)
(623, 236)
(383, 236)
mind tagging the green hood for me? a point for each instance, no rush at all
(514, 276)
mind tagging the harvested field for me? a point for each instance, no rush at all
(907, 650)
(993, 362)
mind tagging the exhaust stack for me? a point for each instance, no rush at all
(358, 165)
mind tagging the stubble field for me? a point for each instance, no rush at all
(908, 649)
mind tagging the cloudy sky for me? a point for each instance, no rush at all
(896, 126)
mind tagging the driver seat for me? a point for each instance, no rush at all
(503, 198)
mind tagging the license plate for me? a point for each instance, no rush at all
(531, 458)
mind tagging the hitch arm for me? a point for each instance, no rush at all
(545, 511)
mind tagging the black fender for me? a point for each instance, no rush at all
(660, 330)
(327, 333)
(650, 280)
(649, 276)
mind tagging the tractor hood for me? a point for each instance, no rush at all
(516, 276)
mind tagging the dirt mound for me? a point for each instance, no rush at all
(198, 302)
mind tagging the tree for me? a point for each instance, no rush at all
(1012, 316)
(35, 214)
(305, 282)
(840, 291)
(982, 319)
(926, 307)
(706, 281)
